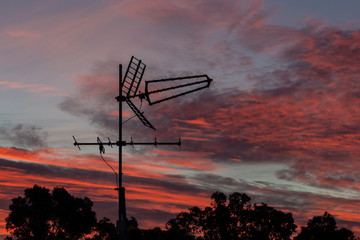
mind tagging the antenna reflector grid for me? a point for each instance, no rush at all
(133, 76)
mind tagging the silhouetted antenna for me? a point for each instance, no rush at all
(201, 82)
(139, 114)
(75, 143)
(128, 88)
(101, 146)
(133, 76)
(109, 143)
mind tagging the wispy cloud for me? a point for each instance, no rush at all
(35, 88)
(21, 34)
(24, 136)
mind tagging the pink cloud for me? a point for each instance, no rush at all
(34, 88)
(21, 34)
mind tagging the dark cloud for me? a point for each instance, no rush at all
(53, 172)
(168, 184)
(95, 100)
(211, 182)
(24, 136)
(101, 118)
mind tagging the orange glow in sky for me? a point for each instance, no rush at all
(280, 121)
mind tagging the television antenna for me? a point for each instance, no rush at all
(128, 89)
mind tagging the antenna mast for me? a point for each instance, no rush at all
(128, 88)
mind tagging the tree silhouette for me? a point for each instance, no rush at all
(104, 230)
(232, 219)
(47, 216)
(324, 227)
(57, 215)
(266, 222)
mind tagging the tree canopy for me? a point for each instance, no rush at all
(324, 227)
(44, 215)
(233, 218)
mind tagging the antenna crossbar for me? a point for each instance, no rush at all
(125, 143)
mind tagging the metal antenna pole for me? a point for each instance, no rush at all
(121, 225)
(128, 88)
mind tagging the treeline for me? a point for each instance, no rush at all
(46, 215)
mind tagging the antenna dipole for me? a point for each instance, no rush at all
(128, 88)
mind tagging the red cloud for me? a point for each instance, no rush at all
(145, 180)
(28, 87)
(21, 34)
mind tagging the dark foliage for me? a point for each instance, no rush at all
(57, 215)
(324, 227)
(47, 216)
(104, 230)
(232, 219)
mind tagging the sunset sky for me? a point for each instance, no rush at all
(280, 121)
